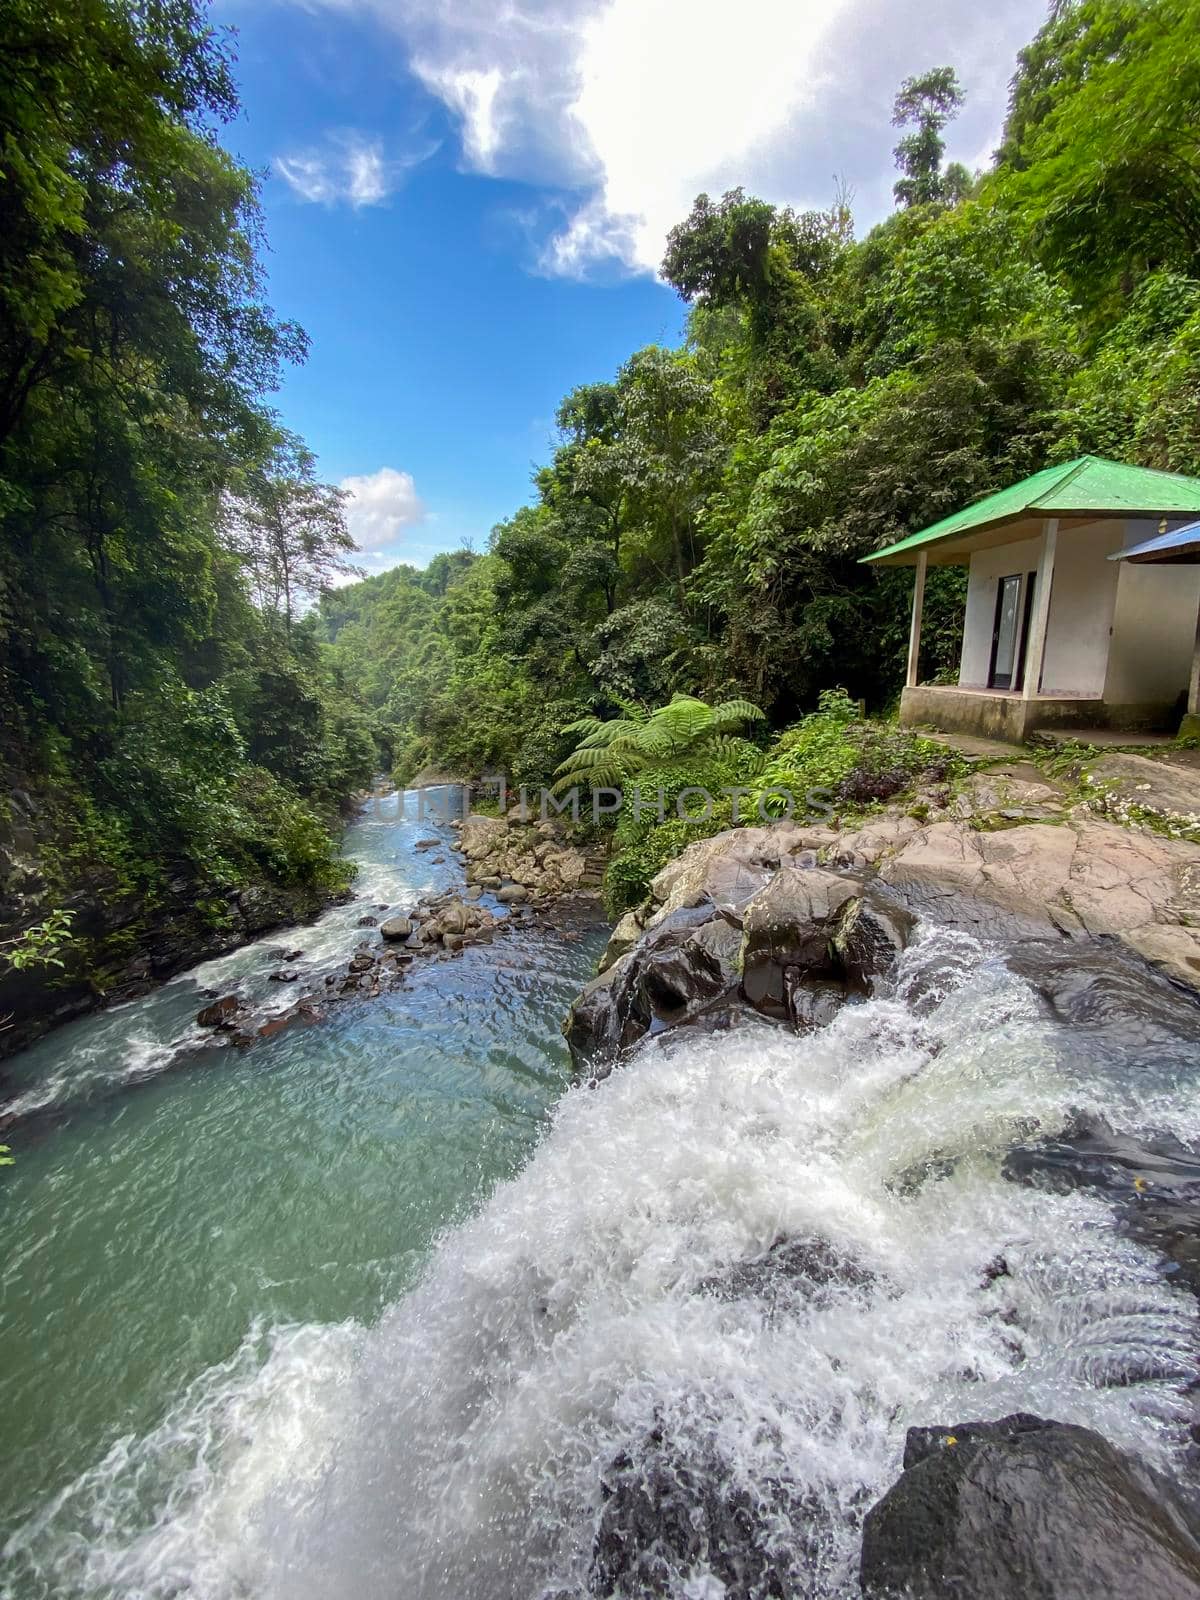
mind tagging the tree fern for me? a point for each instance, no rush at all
(686, 728)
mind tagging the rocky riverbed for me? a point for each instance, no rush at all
(515, 870)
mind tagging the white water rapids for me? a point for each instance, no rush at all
(455, 1449)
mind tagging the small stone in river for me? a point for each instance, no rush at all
(513, 894)
(396, 928)
(367, 922)
(283, 976)
(219, 1013)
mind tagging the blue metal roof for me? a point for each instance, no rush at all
(1181, 545)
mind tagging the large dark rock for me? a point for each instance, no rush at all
(791, 924)
(873, 932)
(672, 975)
(792, 952)
(1025, 1509)
(221, 1012)
(670, 1513)
(814, 937)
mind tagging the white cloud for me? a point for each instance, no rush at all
(381, 506)
(472, 94)
(349, 168)
(632, 107)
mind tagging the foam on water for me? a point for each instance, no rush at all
(455, 1451)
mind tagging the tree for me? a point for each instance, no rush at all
(289, 529)
(926, 104)
(1100, 160)
(672, 442)
(720, 253)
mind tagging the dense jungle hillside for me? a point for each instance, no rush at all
(699, 524)
(174, 745)
(182, 725)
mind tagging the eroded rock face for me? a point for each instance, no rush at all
(1025, 1509)
(791, 944)
(676, 970)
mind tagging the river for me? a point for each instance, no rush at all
(376, 1309)
(162, 1226)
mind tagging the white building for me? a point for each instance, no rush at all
(1057, 633)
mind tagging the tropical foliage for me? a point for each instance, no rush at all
(699, 525)
(165, 704)
(685, 730)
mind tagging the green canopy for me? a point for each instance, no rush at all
(1088, 486)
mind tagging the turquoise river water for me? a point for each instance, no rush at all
(373, 1310)
(157, 1223)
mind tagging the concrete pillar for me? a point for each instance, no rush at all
(1036, 652)
(918, 607)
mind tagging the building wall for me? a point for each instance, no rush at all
(1154, 633)
(1082, 601)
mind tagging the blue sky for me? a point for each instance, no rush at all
(465, 201)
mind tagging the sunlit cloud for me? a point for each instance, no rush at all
(381, 507)
(347, 169)
(623, 111)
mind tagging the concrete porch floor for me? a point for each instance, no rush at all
(975, 748)
(1104, 738)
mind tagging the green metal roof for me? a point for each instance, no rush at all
(1087, 485)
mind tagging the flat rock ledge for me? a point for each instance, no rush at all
(788, 921)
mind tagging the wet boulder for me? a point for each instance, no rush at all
(221, 1013)
(872, 933)
(672, 975)
(808, 1268)
(1026, 1509)
(814, 937)
(673, 1516)
(622, 939)
(791, 925)
(605, 1019)
(396, 928)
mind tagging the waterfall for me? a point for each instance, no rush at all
(748, 1260)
